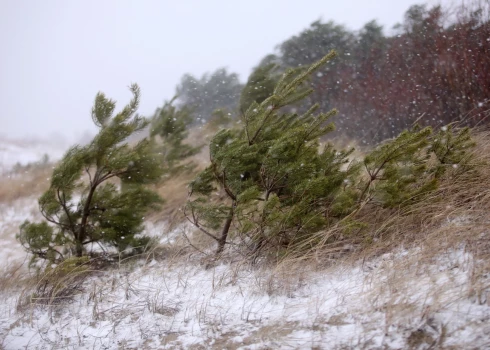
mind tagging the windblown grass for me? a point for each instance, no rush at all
(25, 182)
(456, 215)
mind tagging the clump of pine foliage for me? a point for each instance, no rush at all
(282, 188)
(97, 193)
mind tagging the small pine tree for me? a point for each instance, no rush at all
(397, 170)
(403, 170)
(451, 148)
(277, 183)
(97, 192)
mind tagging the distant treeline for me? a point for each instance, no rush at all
(433, 69)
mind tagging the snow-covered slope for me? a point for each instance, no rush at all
(13, 152)
(12, 215)
(391, 302)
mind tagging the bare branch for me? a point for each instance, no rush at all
(195, 223)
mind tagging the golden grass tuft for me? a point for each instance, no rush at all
(27, 182)
(12, 275)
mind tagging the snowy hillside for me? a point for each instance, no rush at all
(171, 300)
(392, 302)
(14, 152)
(12, 215)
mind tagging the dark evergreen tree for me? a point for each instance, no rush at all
(97, 192)
(329, 83)
(218, 90)
(315, 42)
(371, 46)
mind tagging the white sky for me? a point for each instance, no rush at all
(57, 54)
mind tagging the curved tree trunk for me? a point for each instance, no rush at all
(225, 230)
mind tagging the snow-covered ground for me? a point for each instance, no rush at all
(184, 305)
(168, 302)
(12, 215)
(24, 152)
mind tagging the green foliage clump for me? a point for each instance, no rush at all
(97, 193)
(401, 171)
(281, 188)
(396, 168)
(451, 148)
(316, 41)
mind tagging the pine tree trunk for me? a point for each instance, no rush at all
(226, 229)
(83, 224)
(78, 249)
(261, 242)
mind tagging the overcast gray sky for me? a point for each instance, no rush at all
(56, 54)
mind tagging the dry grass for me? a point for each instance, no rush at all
(13, 275)
(30, 181)
(174, 190)
(456, 213)
(60, 284)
